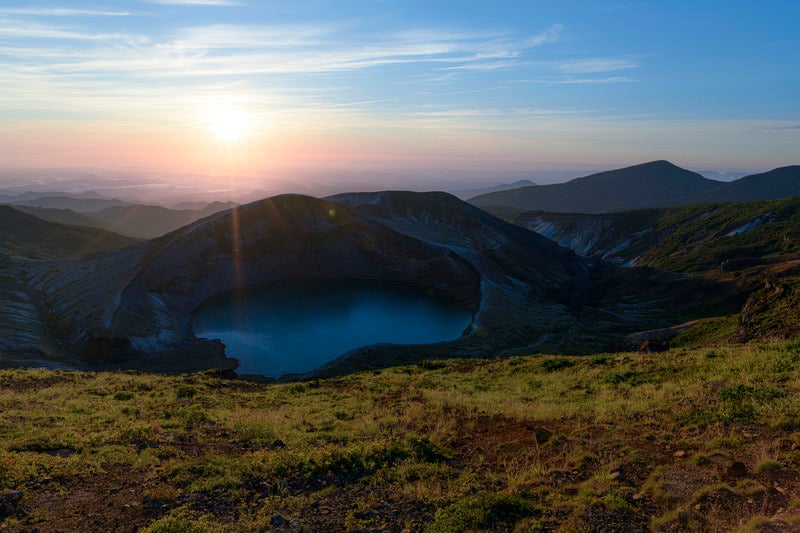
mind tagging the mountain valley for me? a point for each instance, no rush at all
(625, 371)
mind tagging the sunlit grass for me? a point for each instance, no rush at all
(431, 433)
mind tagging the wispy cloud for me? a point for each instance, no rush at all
(196, 2)
(550, 35)
(25, 30)
(486, 66)
(60, 12)
(596, 65)
(240, 36)
(176, 72)
(238, 50)
(588, 81)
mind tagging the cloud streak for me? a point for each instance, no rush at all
(596, 65)
(60, 12)
(241, 50)
(587, 81)
(195, 2)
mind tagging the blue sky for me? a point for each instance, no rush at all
(253, 87)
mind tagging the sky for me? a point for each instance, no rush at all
(208, 92)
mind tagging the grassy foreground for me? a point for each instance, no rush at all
(688, 440)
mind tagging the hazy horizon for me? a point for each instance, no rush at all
(161, 189)
(237, 96)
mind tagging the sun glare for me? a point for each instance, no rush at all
(228, 124)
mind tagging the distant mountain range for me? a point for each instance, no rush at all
(63, 216)
(148, 221)
(82, 205)
(134, 220)
(654, 184)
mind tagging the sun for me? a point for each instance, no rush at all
(228, 124)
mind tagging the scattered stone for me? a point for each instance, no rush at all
(9, 502)
(278, 521)
(13, 497)
(679, 454)
(542, 434)
(654, 345)
(685, 517)
(737, 469)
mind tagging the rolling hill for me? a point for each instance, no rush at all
(134, 220)
(64, 216)
(149, 221)
(24, 235)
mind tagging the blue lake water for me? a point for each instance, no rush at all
(296, 326)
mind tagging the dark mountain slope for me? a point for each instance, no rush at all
(654, 184)
(443, 219)
(753, 247)
(28, 243)
(683, 239)
(25, 235)
(469, 193)
(64, 216)
(778, 183)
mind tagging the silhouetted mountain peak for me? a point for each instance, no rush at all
(651, 184)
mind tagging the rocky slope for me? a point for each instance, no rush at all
(686, 238)
(753, 248)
